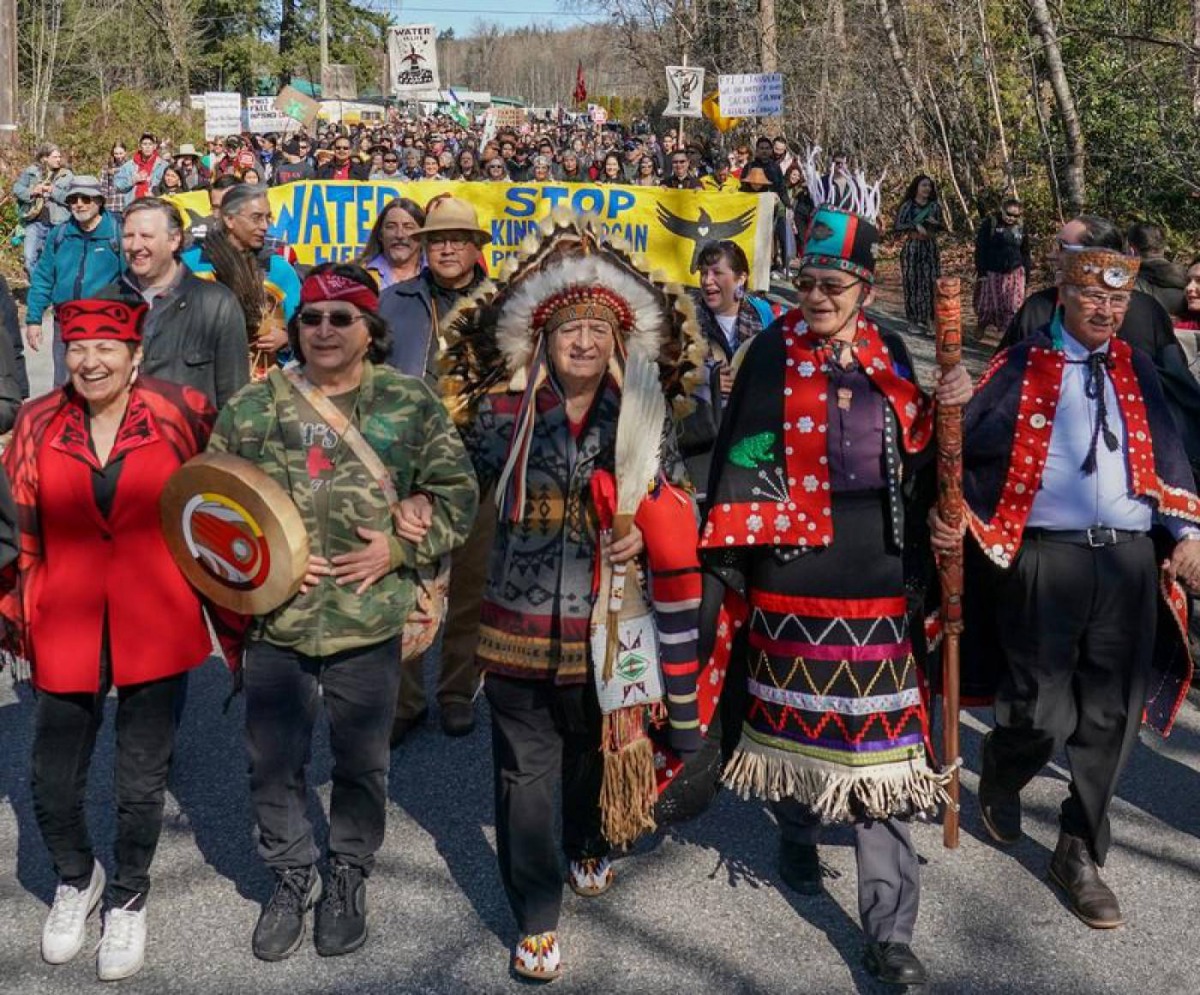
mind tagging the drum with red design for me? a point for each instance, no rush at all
(235, 533)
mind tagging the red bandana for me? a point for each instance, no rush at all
(1000, 538)
(320, 287)
(794, 509)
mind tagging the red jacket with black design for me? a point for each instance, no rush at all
(75, 566)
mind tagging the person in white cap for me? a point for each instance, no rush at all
(81, 255)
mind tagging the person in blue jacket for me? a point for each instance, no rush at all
(80, 256)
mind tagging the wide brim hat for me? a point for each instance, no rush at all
(445, 213)
(187, 148)
(89, 186)
(756, 174)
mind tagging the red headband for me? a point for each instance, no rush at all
(334, 287)
(100, 319)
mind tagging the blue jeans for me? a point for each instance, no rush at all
(35, 241)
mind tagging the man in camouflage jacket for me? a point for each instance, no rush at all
(336, 643)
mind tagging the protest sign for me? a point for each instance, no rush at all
(751, 94)
(222, 114)
(685, 87)
(412, 58)
(331, 220)
(296, 105)
(263, 117)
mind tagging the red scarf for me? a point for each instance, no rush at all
(794, 509)
(1000, 537)
(145, 188)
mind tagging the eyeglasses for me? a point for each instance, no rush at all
(1098, 298)
(79, 198)
(455, 240)
(337, 319)
(805, 285)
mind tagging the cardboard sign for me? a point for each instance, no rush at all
(296, 105)
(751, 94)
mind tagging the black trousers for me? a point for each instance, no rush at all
(1077, 629)
(64, 740)
(889, 873)
(283, 694)
(541, 735)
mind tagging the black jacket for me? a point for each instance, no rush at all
(1165, 281)
(195, 334)
(1001, 248)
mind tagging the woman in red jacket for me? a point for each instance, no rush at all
(95, 602)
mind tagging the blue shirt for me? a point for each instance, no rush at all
(1069, 500)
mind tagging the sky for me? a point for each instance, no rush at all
(461, 15)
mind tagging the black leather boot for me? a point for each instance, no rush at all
(1001, 810)
(894, 964)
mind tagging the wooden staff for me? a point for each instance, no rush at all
(947, 311)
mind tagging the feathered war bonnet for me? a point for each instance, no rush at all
(568, 269)
(842, 232)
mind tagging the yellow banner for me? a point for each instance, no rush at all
(328, 220)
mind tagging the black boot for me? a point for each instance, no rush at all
(1001, 810)
(894, 964)
(402, 726)
(280, 927)
(342, 915)
(1074, 871)
(800, 867)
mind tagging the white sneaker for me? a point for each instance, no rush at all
(66, 925)
(123, 946)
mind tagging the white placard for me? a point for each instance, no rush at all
(412, 58)
(222, 114)
(263, 118)
(751, 95)
(685, 91)
(599, 115)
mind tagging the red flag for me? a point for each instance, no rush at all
(580, 93)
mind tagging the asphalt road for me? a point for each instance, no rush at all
(698, 909)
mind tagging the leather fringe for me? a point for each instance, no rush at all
(627, 791)
(879, 793)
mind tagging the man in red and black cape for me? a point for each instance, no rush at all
(1082, 502)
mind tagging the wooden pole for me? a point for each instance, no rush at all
(948, 331)
(680, 142)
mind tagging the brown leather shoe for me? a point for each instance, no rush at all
(1074, 871)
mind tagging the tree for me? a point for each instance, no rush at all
(1052, 55)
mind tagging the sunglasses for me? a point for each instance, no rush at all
(337, 319)
(805, 285)
(79, 198)
(341, 148)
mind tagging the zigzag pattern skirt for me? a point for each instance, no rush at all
(835, 717)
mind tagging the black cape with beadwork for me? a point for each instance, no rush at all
(989, 427)
(760, 411)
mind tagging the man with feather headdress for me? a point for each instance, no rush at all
(560, 381)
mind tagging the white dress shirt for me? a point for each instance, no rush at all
(1068, 499)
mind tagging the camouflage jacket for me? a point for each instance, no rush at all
(409, 428)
